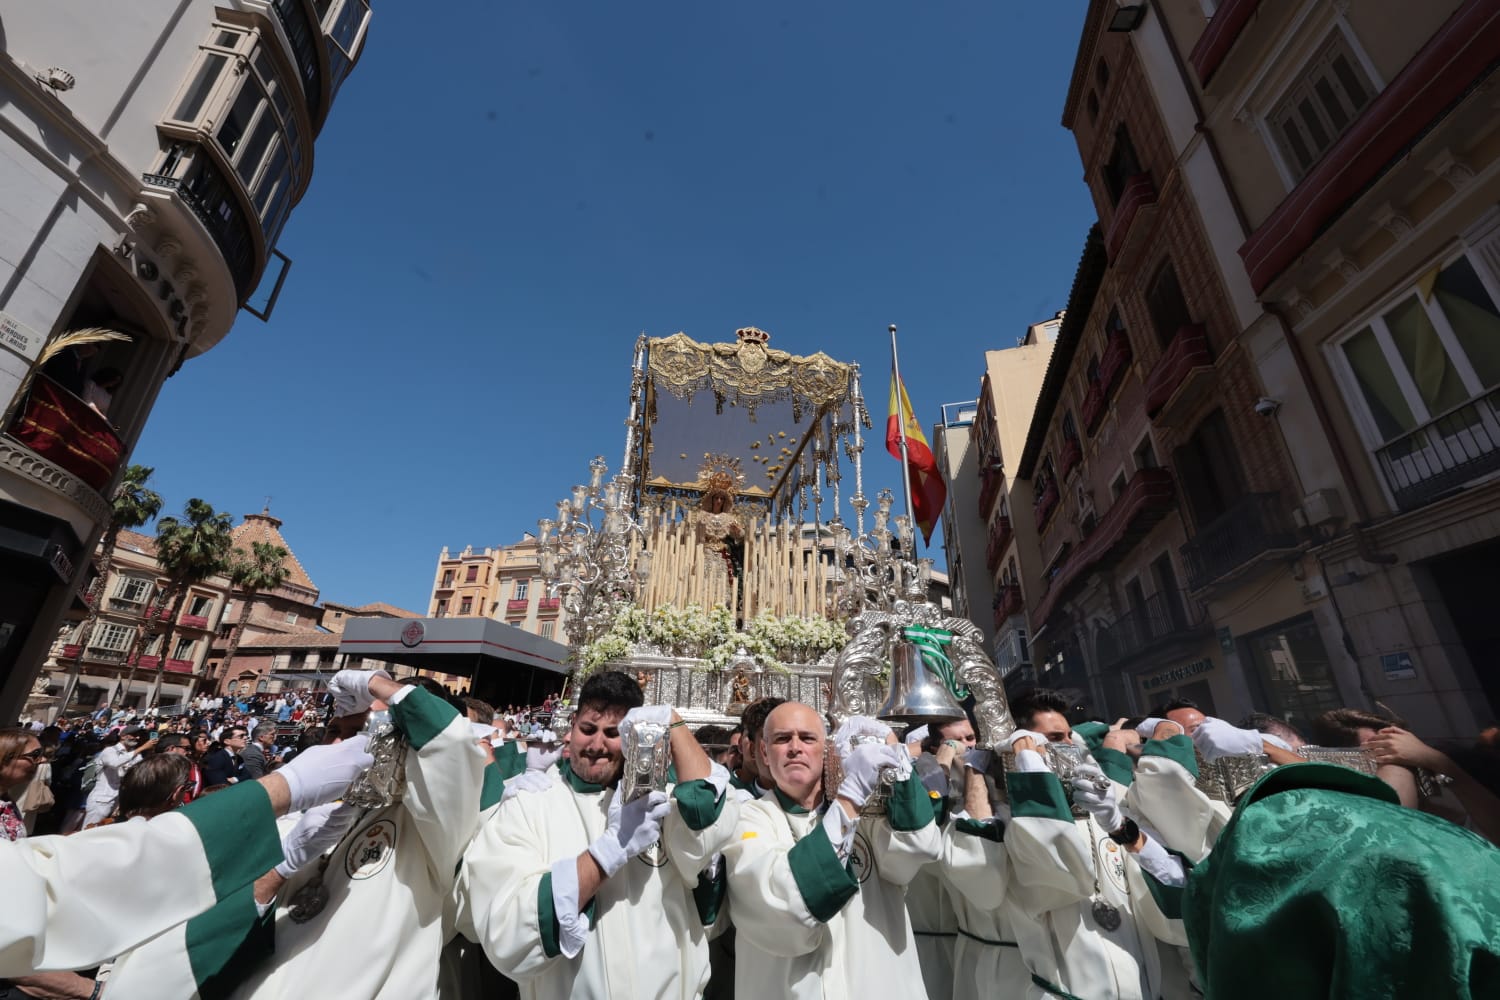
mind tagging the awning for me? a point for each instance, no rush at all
(502, 661)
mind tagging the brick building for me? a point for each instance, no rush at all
(503, 582)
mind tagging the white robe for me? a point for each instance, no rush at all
(73, 902)
(987, 959)
(114, 761)
(811, 926)
(1063, 864)
(643, 936)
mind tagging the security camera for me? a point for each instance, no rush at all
(1266, 406)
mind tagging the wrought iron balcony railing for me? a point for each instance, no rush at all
(1438, 457)
(1258, 525)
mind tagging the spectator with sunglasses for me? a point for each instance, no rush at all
(20, 754)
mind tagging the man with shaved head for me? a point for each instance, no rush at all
(817, 885)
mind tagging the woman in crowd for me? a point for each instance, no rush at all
(20, 754)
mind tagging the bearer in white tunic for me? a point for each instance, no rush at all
(388, 880)
(817, 890)
(564, 888)
(73, 902)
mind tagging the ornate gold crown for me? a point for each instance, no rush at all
(752, 335)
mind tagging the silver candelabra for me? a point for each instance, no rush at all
(593, 555)
(869, 573)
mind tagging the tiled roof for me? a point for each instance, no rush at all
(263, 527)
(389, 610)
(294, 640)
(137, 542)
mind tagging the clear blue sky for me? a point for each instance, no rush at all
(507, 194)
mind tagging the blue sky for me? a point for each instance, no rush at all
(507, 194)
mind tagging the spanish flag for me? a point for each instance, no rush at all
(928, 492)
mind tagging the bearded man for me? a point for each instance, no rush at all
(564, 887)
(818, 888)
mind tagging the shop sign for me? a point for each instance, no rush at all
(20, 338)
(1177, 674)
(1398, 666)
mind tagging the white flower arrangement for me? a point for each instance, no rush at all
(710, 635)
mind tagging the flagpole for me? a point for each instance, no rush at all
(901, 402)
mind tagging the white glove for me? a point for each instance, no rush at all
(351, 691)
(1148, 727)
(1166, 869)
(1216, 738)
(659, 714)
(482, 730)
(858, 725)
(1016, 736)
(917, 735)
(320, 774)
(1102, 805)
(538, 759)
(863, 766)
(979, 760)
(527, 781)
(632, 828)
(319, 829)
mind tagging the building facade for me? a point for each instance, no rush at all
(1264, 466)
(501, 582)
(150, 159)
(90, 668)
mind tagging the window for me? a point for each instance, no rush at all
(519, 593)
(135, 589)
(1069, 429)
(1123, 164)
(1145, 455)
(447, 578)
(466, 606)
(291, 617)
(1207, 470)
(111, 636)
(1117, 486)
(1435, 349)
(1164, 301)
(183, 650)
(228, 607)
(258, 133)
(471, 574)
(1293, 668)
(201, 606)
(547, 629)
(442, 609)
(1320, 105)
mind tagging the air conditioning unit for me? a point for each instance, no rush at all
(1322, 507)
(1012, 651)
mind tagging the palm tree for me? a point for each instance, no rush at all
(132, 505)
(264, 568)
(188, 551)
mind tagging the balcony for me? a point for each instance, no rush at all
(173, 666)
(106, 655)
(1007, 602)
(70, 651)
(1093, 407)
(517, 604)
(1223, 30)
(63, 429)
(193, 621)
(1439, 457)
(1161, 624)
(1114, 361)
(1148, 497)
(1045, 505)
(1132, 220)
(549, 604)
(1182, 378)
(1255, 531)
(211, 195)
(125, 604)
(1431, 85)
(1000, 536)
(1069, 455)
(989, 489)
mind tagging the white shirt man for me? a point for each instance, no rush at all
(817, 889)
(562, 886)
(114, 761)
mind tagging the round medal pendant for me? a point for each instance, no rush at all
(1105, 915)
(308, 901)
